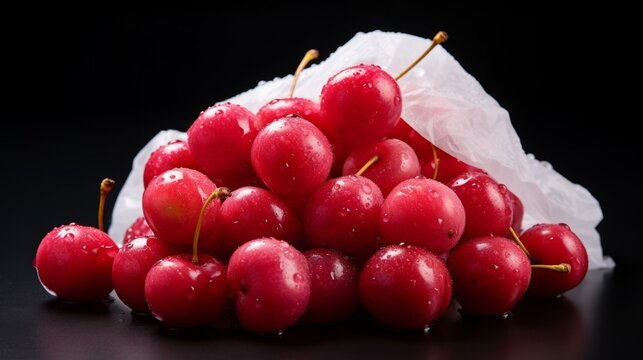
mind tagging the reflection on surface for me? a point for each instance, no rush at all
(560, 327)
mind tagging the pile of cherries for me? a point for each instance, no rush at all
(305, 210)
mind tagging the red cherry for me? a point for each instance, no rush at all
(518, 211)
(362, 103)
(139, 228)
(220, 140)
(175, 154)
(486, 203)
(396, 162)
(250, 213)
(304, 108)
(422, 212)
(405, 287)
(401, 131)
(490, 274)
(171, 205)
(270, 283)
(74, 263)
(131, 266)
(292, 157)
(333, 287)
(555, 244)
(184, 294)
(343, 214)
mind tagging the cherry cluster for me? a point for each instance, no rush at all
(305, 210)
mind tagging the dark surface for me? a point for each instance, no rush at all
(87, 91)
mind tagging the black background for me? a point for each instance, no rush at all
(87, 91)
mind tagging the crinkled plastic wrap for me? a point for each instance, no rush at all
(447, 106)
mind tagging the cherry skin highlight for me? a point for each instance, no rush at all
(181, 294)
(343, 214)
(74, 263)
(333, 287)
(292, 157)
(220, 140)
(131, 266)
(174, 154)
(486, 203)
(424, 213)
(251, 213)
(304, 108)
(490, 274)
(139, 228)
(172, 203)
(555, 244)
(405, 287)
(270, 283)
(397, 162)
(362, 103)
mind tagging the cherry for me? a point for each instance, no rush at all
(189, 290)
(490, 274)
(181, 293)
(422, 212)
(448, 167)
(343, 214)
(220, 140)
(518, 211)
(172, 202)
(362, 103)
(250, 213)
(486, 203)
(139, 228)
(172, 155)
(401, 131)
(270, 283)
(396, 162)
(405, 287)
(131, 266)
(555, 244)
(333, 287)
(291, 156)
(74, 262)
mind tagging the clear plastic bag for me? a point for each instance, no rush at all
(449, 108)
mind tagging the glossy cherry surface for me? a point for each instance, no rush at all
(139, 228)
(362, 103)
(130, 268)
(182, 294)
(74, 263)
(396, 162)
(304, 108)
(251, 213)
(405, 287)
(486, 203)
(343, 214)
(270, 283)
(292, 157)
(333, 286)
(175, 154)
(553, 244)
(490, 274)
(172, 203)
(424, 213)
(220, 140)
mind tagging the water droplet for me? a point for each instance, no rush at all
(495, 267)
(426, 330)
(218, 112)
(397, 100)
(386, 217)
(506, 315)
(191, 294)
(440, 221)
(280, 333)
(344, 211)
(297, 277)
(332, 275)
(367, 188)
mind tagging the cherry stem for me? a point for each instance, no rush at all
(368, 164)
(563, 268)
(219, 193)
(517, 239)
(311, 55)
(436, 161)
(105, 187)
(439, 38)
